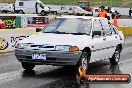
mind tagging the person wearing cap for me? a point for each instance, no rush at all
(102, 12)
(109, 9)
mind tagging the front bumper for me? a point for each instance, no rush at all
(7, 10)
(52, 57)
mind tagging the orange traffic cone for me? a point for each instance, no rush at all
(115, 21)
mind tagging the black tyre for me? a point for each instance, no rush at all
(55, 12)
(20, 12)
(28, 66)
(43, 13)
(12, 12)
(116, 56)
(77, 14)
(84, 61)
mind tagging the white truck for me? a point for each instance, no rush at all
(72, 40)
(31, 7)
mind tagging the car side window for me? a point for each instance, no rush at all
(84, 26)
(21, 3)
(113, 29)
(97, 26)
(106, 26)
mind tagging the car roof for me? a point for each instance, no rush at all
(8, 5)
(82, 17)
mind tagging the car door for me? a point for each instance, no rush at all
(111, 38)
(98, 43)
(116, 37)
(63, 10)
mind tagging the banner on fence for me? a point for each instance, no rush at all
(10, 38)
(11, 21)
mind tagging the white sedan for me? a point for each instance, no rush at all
(7, 8)
(72, 40)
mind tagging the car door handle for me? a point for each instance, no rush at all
(104, 39)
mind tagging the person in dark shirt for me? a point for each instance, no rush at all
(130, 11)
(109, 9)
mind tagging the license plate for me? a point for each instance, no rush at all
(39, 56)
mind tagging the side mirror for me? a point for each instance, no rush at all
(96, 10)
(96, 33)
(38, 29)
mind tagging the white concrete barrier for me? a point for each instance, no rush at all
(125, 22)
(24, 20)
(122, 11)
(9, 38)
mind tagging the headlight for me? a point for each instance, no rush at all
(74, 48)
(22, 45)
(62, 48)
(67, 48)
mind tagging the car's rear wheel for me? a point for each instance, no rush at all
(116, 56)
(20, 12)
(28, 66)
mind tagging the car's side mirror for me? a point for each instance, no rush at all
(96, 33)
(38, 29)
(96, 10)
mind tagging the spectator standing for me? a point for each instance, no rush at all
(88, 8)
(130, 11)
(102, 12)
(109, 9)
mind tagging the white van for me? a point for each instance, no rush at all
(30, 7)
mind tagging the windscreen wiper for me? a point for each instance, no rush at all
(79, 33)
(57, 32)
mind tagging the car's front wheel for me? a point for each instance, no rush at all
(3, 11)
(84, 61)
(28, 66)
(55, 12)
(43, 13)
(116, 56)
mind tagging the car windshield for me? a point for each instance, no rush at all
(8, 5)
(79, 8)
(69, 25)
